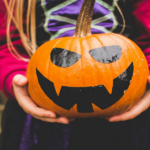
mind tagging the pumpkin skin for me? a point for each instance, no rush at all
(87, 72)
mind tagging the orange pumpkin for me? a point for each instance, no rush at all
(86, 75)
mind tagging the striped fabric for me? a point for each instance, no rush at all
(58, 18)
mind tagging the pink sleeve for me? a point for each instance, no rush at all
(141, 12)
(9, 66)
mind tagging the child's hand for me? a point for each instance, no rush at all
(24, 100)
(141, 106)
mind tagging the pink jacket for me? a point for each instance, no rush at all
(9, 66)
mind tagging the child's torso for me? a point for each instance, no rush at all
(57, 18)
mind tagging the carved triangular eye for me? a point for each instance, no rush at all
(106, 54)
(64, 58)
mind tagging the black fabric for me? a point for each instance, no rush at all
(21, 131)
(86, 134)
(12, 122)
(99, 134)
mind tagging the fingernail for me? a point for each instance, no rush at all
(22, 80)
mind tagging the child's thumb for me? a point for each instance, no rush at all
(20, 80)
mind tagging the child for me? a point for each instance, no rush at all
(54, 19)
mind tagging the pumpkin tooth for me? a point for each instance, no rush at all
(57, 88)
(109, 85)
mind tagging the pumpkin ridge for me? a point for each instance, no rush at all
(139, 61)
(50, 67)
(49, 70)
(92, 62)
(129, 43)
(81, 61)
(69, 45)
(37, 60)
(58, 88)
(97, 38)
(127, 60)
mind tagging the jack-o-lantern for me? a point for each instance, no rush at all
(87, 75)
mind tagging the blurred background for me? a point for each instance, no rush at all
(3, 100)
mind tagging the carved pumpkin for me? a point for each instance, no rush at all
(87, 75)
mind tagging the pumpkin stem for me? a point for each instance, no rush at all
(83, 26)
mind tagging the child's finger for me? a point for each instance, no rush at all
(135, 111)
(20, 80)
(27, 103)
(40, 112)
(53, 120)
(31, 108)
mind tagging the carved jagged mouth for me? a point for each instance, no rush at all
(85, 96)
